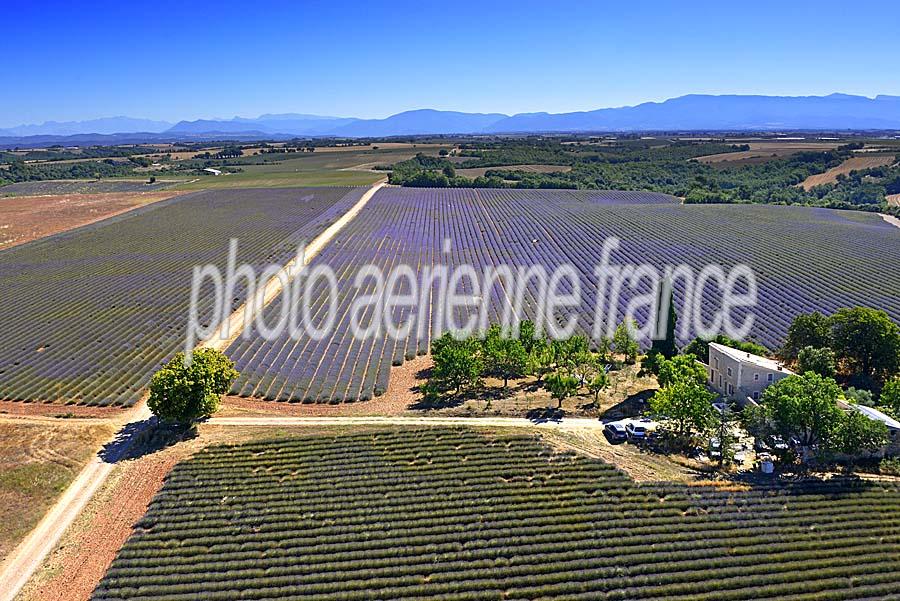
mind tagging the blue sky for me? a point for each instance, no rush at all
(185, 60)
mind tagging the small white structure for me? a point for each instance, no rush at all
(213, 171)
(742, 376)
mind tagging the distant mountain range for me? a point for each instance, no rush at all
(686, 113)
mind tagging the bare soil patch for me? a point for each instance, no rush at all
(480, 171)
(852, 164)
(893, 200)
(37, 462)
(26, 218)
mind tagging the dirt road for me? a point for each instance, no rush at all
(400, 420)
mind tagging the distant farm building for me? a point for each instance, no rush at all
(739, 375)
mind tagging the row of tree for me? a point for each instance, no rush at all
(563, 367)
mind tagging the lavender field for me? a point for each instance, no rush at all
(88, 315)
(804, 259)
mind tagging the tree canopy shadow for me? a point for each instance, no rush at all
(540, 415)
(632, 405)
(145, 437)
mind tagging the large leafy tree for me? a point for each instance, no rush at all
(867, 341)
(859, 433)
(817, 360)
(183, 393)
(811, 329)
(682, 368)
(804, 408)
(686, 406)
(458, 363)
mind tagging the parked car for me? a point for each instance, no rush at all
(616, 431)
(640, 429)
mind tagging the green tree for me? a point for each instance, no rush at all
(586, 365)
(625, 343)
(568, 352)
(700, 347)
(867, 341)
(812, 329)
(817, 360)
(504, 357)
(723, 432)
(183, 393)
(598, 384)
(858, 433)
(684, 405)
(890, 396)
(859, 396)
(803, 408)
(528, 335)
(561, 386)
(540, 359)
(458, 363)
(681, 368)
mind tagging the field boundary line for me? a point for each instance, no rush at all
(25, 559)
(237, 321)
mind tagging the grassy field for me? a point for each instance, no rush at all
(453, 514)
(37, 462)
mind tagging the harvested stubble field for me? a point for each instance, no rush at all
(89, 314)
(448, 513)
(37, 462)
(792, 250)
(26, 218)
(852, 164)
